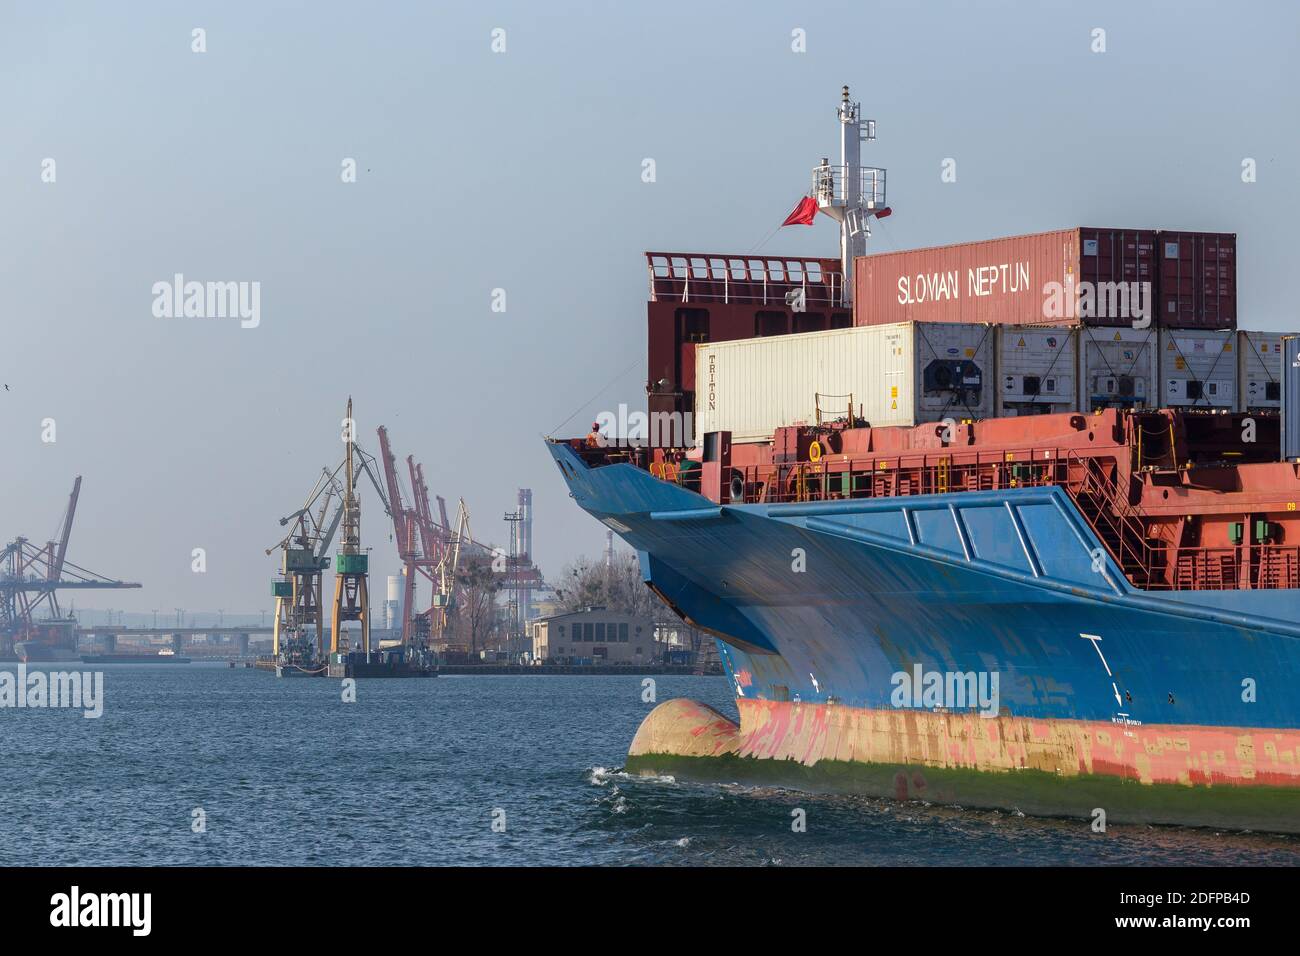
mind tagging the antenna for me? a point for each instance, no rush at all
(851, 193)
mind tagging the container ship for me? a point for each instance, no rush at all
(963, 534)
(48, 642)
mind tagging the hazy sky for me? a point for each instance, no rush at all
(521, 171)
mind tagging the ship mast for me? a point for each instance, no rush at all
(851, 193)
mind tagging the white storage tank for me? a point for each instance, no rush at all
(1118, 368)
(1198, 369)
(393, 604)
(1259, 370)
(1037, 370)
(900, 374)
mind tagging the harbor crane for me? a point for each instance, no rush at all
(432, 549)
(352, 564)
(303, 561)
(427, 548)
(298, 636)
(31, 577)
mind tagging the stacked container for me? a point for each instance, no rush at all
(1118, 368)
(1037, 370)
(1259, 371)
(1198, 369)
(900, 374)
(1198, 280)
(1136, 278)
(1291, 398)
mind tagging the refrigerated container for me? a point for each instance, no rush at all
(1259, 370)
(900, 374)
(1118, 368)
(1037, 370)
(1291, 398)
(1198, 369)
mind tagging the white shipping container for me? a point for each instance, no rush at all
(1198, 368)
(1038, 370)
(1118, 368)
(1291, 398)
(1259, 370)
(901, 374)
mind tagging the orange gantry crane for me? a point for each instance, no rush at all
(428, 549)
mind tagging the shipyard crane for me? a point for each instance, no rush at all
(303, 560)
(422, 546)
(299, 594)
(428, 547)
(32, 576)
(449, 565)
(404, 528)
(432, 549)
(352, 564)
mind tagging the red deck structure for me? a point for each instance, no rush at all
(1181, 501)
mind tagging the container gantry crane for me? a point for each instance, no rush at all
(30, 579)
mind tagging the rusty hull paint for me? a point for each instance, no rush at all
(687, 728)
(1158, 753)
(1152, 774)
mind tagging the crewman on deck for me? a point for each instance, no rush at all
(594, 438)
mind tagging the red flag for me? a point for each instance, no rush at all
(803, 214)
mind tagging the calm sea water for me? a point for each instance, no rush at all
(286, 773)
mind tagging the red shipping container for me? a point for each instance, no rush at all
(1198, 280)
(1020, 280)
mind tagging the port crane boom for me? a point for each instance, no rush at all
(31, 577)
(298, 594)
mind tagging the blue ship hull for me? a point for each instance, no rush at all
(822, 605)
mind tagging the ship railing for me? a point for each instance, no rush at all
(1148, 563)
(1156, 565)
(1121, 525)
(828, 186)
(1227, 568)
(752, 280)
(1234, 567)
(835, 477)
